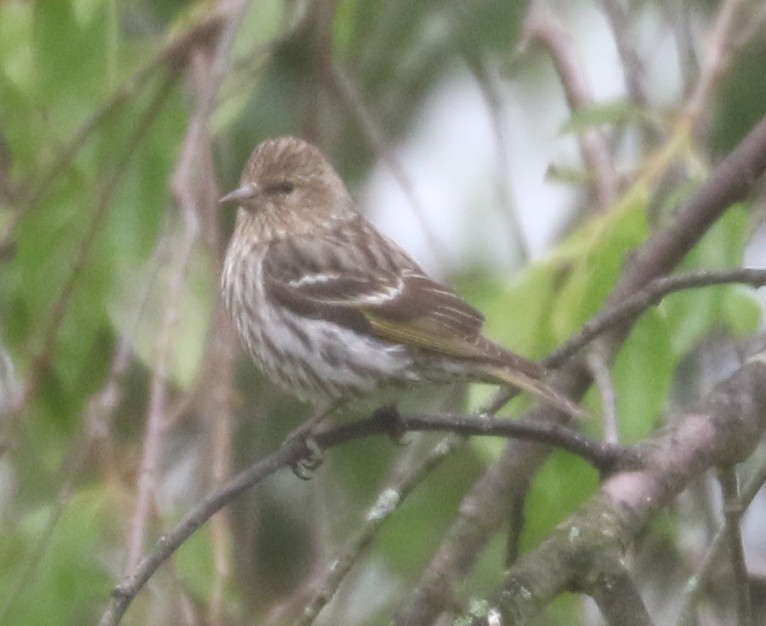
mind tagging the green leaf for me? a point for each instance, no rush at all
(71, 54)
(138, 309)
(724, 243)
(742, 311)
(197, 568)
(606, 114)
(599, 251)
(516, 311)
(70, 583)
(560, 487)
(642, 376)
(693, 312)
(409, 537)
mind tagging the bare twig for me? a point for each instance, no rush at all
(651, 295)
(733, 513)
(615, 591)
(349, 94)
(539, 26)
(696, 582)
(632, 66)
(718, 50)
(156, 420)
(105, 193)
(155, 425)
(731, 181)
(171, 55)
(599, 370)
(721, 430)
(679, 17)
(489, 90)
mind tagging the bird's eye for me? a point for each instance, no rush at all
(281, 187)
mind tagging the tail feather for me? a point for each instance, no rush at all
(538, 388)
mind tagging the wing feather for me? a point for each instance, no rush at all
(383, 292)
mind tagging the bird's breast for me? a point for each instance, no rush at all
(315, 359)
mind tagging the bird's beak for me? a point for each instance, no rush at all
(248, 191)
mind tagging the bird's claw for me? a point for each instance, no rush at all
(311, 460)
(389, 415)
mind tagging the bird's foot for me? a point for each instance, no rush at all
(312, 457)
(389, 415)
(311, 460)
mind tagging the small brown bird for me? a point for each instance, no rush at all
(330, 308)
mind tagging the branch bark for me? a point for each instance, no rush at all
(723, 429)
(485, 506)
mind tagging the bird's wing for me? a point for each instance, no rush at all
(367, 283)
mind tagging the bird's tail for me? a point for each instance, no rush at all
(538, 388)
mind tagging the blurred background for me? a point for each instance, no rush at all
(519, 150)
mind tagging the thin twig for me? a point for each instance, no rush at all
(540, 26)
(718, 50)
(602, 455)
(494, 104)
(93, 427)
(651, 295)
(731, 181)
(45, 354)
(679, 19)
(599, 370)
(349, 93)
(632, 66)
(171, 55)
(727, 477)
(156, 419)
(697, 582)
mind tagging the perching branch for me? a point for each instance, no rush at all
(604, 456)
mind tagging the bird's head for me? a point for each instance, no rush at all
(288, 183)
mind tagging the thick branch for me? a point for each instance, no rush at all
(730, 182)
(722, 430)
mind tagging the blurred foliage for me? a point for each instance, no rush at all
(92, 119)
(745, 86)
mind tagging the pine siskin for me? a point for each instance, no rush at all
(330, 308)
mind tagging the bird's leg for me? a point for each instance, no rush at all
(389, 415)
(305, 467)
(319, 413)
(313, 458)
